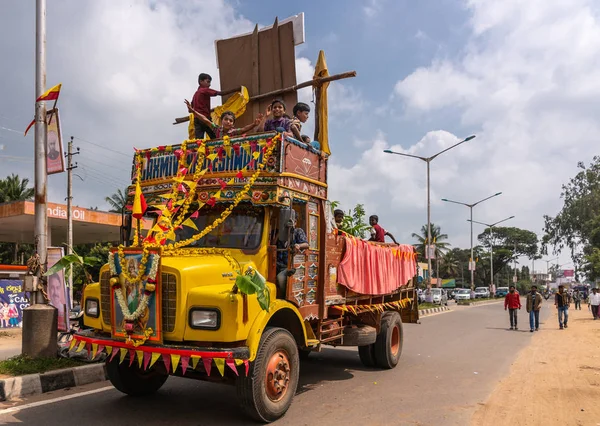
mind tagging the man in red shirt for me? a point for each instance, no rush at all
(201, 103)
(512, 302)
(377, 232)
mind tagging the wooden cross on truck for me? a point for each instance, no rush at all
(264, 62)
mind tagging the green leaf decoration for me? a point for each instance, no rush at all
(255, 283)
(64, 263)
(246, 285)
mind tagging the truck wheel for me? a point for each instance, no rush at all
(133, 380)
(267, 392)
(367, 355)
(388, 346)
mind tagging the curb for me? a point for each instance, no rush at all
(483, 302)
(33, 384)
(424, 312)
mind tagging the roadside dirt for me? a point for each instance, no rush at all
(554, 381)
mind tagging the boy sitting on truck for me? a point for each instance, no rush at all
(377, 232)
(201, 103)
(280, 122)
(301, 113)
(227, 122)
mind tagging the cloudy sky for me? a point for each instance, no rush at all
(522, 76)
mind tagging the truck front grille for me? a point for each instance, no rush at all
(105, 296)
(169, 301)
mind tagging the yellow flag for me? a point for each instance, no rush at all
(139, 202)
(140, 357)
(236, 104)
(72, 345)
(154, 358)
(122, 354)
(239, 362)
(109, 350)
(175, 361)
(323, 135)
(94, 350)
(220, 363)
(195, 360)
(190, 223)
(81, 346)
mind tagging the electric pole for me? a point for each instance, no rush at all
(70, 168)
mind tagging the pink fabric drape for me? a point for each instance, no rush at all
(376, 269)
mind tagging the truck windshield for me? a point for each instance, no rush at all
(242, 229)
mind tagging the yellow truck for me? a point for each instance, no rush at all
(241, 273)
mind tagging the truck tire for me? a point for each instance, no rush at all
(388, 346)
(267, 392)
(367, 355)
(133, 380)
(361, 335)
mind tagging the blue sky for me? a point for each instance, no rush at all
(522, 76)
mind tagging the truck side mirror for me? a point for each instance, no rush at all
(125, 230)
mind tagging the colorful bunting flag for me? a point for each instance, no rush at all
(184, 363)
(122, 353)
(175, 361)
(220, 363)
(167, 361)
(155, 357)
(207, 364)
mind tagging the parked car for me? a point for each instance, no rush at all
(501, 291)
(439, 296)
(421, 295)
(462, 294)
(482, 292)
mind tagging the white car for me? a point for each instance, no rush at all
(439, 296)
(482, 292)
(462, 294)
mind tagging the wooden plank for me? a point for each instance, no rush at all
(276, 55)
(255, 89)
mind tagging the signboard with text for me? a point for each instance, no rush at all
(12, 303)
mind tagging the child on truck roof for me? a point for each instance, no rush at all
(377, 232)
(301, 113)
(280, 122)
(201, 103)
(227, 122)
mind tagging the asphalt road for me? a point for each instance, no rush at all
(450, 363)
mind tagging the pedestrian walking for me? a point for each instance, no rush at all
(533, 305)
(512, 302)
(562, 301)
(577, 296)
(595, 302)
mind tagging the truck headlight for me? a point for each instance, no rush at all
(205, 319)
(92, 308)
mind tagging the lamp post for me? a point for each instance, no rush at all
(428, 160)
(547, 268)
(470, 206)
(491, 226)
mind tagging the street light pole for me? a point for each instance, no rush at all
(470, 206)
(428, 160)
(491, 226)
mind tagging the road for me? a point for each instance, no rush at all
(450, 364)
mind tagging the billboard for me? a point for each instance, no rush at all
(57, 289)
(12, 303)
(568, 273)
(54, 158)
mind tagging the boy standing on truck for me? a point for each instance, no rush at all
(377, 232)
(201, 103)
(512, 302)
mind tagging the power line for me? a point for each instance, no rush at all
(104, 147)
(99, 176)
(112, 166)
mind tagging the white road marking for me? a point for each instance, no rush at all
(50, 401)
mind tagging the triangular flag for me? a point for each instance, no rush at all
(113, 352)
(72, 345)
(94, 350)
(81, 346)
(175, 361)
(239, 362)
(155, 356)
(256, 154)
(139, 202)
(207, 364)
(195, 360)
(140, 357)
(231, 364)
(100, 348)
(122, 353)
(167, 361)
(147, 356)
(184, 363)
(88, 348)
(247, 364)
(190, 223)
(220, 363)
(131, 356)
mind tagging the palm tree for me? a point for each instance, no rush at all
(14, 188)
(117, 201)
(450, 264)
(437, 238)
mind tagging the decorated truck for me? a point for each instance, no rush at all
(217, 287)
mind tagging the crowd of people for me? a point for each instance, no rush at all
(562, 302)
(275, 117)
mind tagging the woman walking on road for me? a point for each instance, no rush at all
(533, 305)
(512, 302)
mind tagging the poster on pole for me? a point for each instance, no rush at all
(472, 265)
(54, 158)
(12, 303)
(430, 251)
(57, 289)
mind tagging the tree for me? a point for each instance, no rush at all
(450, 265)
(509, 243)
(577, 225)
(437, 238)
(117, 201)
(354, 222)
(14, 188)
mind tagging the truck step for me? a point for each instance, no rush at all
(312, 342)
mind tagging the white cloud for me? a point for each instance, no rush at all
(526, 83)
